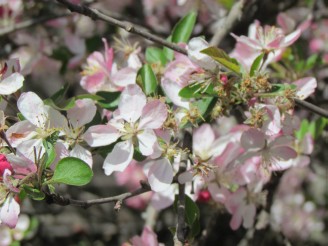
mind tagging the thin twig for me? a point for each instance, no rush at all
(311, 107)
(29, 23)
(128, 26)
(229, 21)
(63, 201)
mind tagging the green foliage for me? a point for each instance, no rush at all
(72, 171)
(221, 57)
(183, 29)
(33, 193)
(110, 99)
(256, 65)
(315, 128)
(155, 55)
(169, 54)
(147, 80)
(227, 3)
(50, 154)
(196, 90)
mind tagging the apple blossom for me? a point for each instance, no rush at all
(134, 122)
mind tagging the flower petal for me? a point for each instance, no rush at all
(11, 84)
(160, 175)
(101, 135)
(131, 103)
(153, 115)
(82, 113)
(9, 212)
(119, 158)
(147, 140)
(79, 152)
(253, 139)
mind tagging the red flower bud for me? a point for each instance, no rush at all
(204, 196)
(4, 164)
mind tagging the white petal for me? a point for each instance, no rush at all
(33, 108)
(147, 140)
(11, 84)
(82, 113)
(160, 175)
(153, 115)
(101, 135)
(119, 158)
(9, 212)
(253, 139)
(131, 103)
(85, 155)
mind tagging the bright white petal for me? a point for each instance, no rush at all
(119, 158)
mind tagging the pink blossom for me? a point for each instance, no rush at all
(101, 73)
(274, 153)
(305, 87)
(10, 78)
(148, 237)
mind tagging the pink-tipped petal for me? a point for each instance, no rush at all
(153, 115)
(82, 113)
(9, 212)
(101, 135)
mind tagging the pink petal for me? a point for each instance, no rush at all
(291, 38)
(171, 90)
(305, 87)
(148, 237)
(218, 194)
(20, 131)
(153, 115)
(160, 175)
(236, 220)
(283, 153)
(119, 158)
(253, 139)
(9, 212)
(132, 101)
(249, 212)
(125, 76)
(82, 113)
(101, 135)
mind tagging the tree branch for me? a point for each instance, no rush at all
(128, 26)
(63, 201)
(229, 21)
(28, 23)
(311, 107)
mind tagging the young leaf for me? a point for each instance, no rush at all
(303, 130)
(35, 194)
(196, 90)
(72, 171)
(169, 54)
(256, 64)
(183, 29)
(110, 99)
(148, 79)
(50, 153)
(221, 57)
(155, 55)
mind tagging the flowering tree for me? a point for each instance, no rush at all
(212, 138)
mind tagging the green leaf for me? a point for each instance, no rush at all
(155, 55)
(60, 94)
(192, 211)
(137, 155)
(35, 194)
(68, 104)
(205, 105)
(110, 99)
(196, 90)
(50, 153)
(90, 96)
(310, 62)
(72, 171)
(148, 80)
(169, 54)
(227, 3)
(256, 64)
(303, 130)
(221, 57)
(183, 29)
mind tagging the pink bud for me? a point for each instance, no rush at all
(224, 79)
(4, 164)
(204, 196)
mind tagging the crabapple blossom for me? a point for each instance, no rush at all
(40, 122)
(273, 152)
(101, 73)
(148, 237)
(134, 122)
(10, 78)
